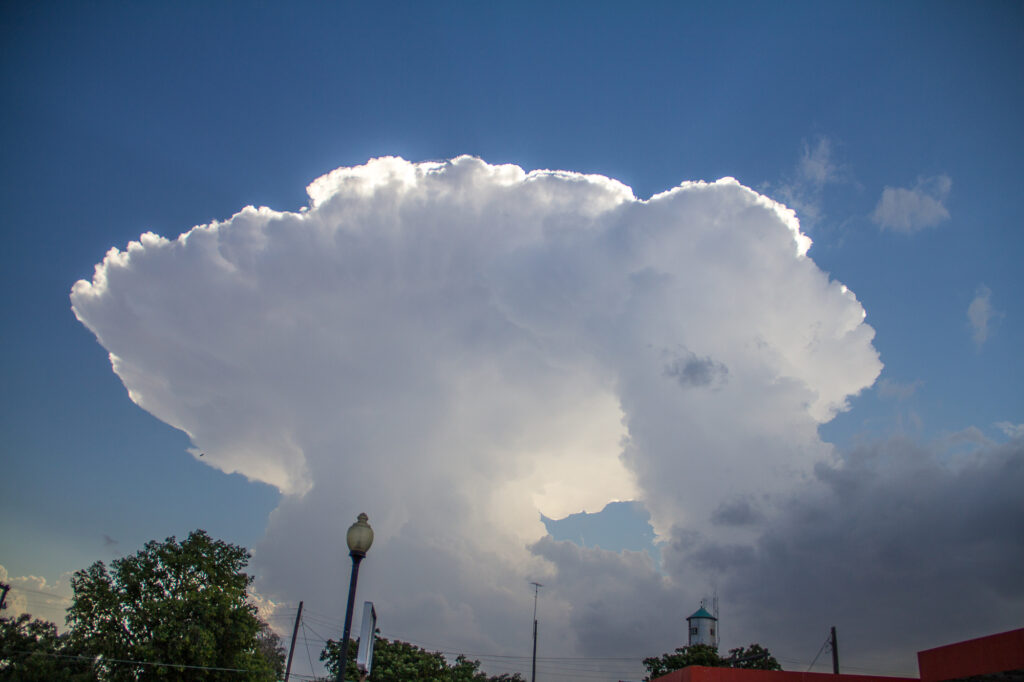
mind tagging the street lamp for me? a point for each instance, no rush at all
(359, 539)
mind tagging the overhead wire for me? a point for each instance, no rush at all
(569, 666)
(823, 645)
(104, 659)
(308, 655)
(576, 667)
(15, 590)
(563, 666)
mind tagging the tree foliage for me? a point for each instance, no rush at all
(269, 644)
(173, 611)
(682, 657)
(754, 657)
(32, 651)
(397, 661)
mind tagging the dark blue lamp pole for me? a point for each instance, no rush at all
(359, 539)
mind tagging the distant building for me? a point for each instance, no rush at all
(703, 628)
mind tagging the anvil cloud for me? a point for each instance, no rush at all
(457, 347)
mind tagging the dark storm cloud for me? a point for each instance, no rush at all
(619, 602)
(739, 512)
(691, 370)
(896, 544)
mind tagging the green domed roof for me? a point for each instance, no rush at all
(701, 613)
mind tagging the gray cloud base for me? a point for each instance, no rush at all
(901, 546)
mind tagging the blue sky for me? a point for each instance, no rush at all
(121, 118)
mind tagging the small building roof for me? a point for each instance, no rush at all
(701, 613)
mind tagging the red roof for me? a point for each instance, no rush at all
(699, 673)
(983, 656)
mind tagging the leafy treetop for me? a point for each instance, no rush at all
(754, 656)
(32, 651)
(183, 604)
(396, 661)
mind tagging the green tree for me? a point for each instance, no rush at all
(172, 612)
(467, 670)
(32, 651)
(269, 644)
(753, 657)
(396, 661)
(682, 657)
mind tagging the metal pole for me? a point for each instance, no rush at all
(835, 652)
(536, 588)
(533, 672)
(356, 558)
(291, 649)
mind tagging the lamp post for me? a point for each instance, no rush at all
(359, 539)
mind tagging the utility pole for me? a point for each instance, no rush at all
(835, 652)
(536, 589)
(3, 595)
(291, 649)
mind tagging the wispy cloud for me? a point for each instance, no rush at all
(911, 210)
(1010, 429)
(816, 168)
(981, 315)
(887, 388)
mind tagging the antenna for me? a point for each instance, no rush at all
(718, 624)
(536, 589)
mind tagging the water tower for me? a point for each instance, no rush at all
(703, 627)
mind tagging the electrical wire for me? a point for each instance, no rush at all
(826, 643)
(321, 637)
(308, 655)
(58, 597)
(104, 659)
(556, 666)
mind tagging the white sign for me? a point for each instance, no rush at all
(367, 635)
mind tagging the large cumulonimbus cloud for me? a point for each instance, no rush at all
(455, 347)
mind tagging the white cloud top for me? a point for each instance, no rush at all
(454, 347)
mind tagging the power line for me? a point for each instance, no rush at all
(443, 649)
(45, 594)
(322, 638)
(308, 655)
(560, 666)
(828, 640)
(104, 659)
